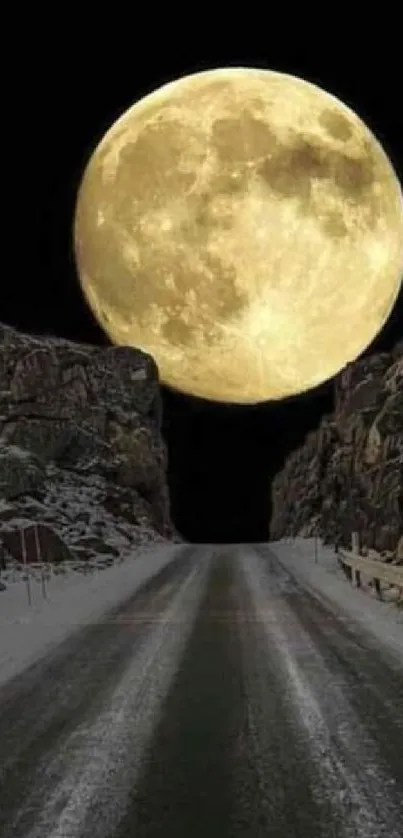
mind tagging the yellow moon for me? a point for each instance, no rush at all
(245, 227)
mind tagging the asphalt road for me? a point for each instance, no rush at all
(219, 700)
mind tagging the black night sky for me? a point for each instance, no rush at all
(221, 458)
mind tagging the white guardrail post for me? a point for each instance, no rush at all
(38, 559)
(355, 548)
(24, 561)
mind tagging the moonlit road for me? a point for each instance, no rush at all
(220, 699)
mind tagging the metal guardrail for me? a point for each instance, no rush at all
(376, 570)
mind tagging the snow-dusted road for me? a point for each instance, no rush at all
(221, 698)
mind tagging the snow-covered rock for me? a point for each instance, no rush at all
(81, 451)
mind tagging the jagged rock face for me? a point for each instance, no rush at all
(348, 475)
(80, 444)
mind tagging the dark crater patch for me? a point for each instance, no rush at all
(177, 332)
(241, 139)
(335, 124)
(334, 225)
(291, 169)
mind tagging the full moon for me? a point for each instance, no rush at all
(245, 228)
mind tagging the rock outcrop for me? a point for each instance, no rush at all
(81, 451)
(348, 475)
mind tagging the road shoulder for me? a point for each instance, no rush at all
(27, 633)
(381, 621)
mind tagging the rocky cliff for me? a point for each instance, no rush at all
(348, 475)
(81, 453)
